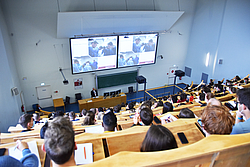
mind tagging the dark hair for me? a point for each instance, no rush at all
(84, 111)
(186, 113)
(72, 115)
(183, 96)
(167, 107)
(158, 138)
(43, 130)
(123, 104)
(109, 121)
(25, 119)
(243, 96)
(159, 103)
(89, 119)
(202, 96)
(117, 109)
(100, 109)
(58, 114)
(146, 115)
(59, 140)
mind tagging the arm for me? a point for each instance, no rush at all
(29, 159)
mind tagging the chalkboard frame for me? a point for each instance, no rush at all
(116, 79)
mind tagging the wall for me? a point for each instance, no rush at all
(220, 28)
(32, 22)
(9, 104)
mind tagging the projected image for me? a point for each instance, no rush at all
(91, 54)
(137, 49)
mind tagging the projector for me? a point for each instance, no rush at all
(65, 82)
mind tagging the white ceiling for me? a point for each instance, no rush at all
(109, 22)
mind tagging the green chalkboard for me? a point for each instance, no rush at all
(104, 81)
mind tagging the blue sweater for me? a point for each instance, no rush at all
(28, 160)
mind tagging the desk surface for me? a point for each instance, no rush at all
(101, 102)
(58, 102)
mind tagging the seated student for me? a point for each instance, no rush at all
(167, 107)
(246, 81)
(89, 119)
(83, 113)
(26, 120)
(59, 142)
(183, 97)
(131, 107)
(117, 108)
(157, 104)
(214, 102)
(43, 129)
(243, 98)
(186, 113)
(191, 97)
(109, 122)
(28, 160)
(146, 115)
(72, 116)
(36, 118)
(100, 113)
(158, 138)
(58, 113)
(217, 120)
(209, 95)
(202, 96)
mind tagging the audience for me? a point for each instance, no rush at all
(36, 118)
(109, 122)
(167, 107)
(186, 113)
(26, 120)
(59, 142)
(217, 120)
(158, 138)
(72, 116)
(89, 119)
(243, 98)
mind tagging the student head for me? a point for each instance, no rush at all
(214, 102)
(43, 130)
(89, 119)
(117, 108)
(84, 111)
(146, 116)
(59, 141)
(186, 113)
(243, 98)
(158, 138)
(58, 114)
(209, 95)
(26, 121)
(109, 121)
(167, 107)
(72, 115)
(110, 45)
(36, 117)
(76, 61)
(217, 120)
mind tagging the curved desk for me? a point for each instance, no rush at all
(101, 102)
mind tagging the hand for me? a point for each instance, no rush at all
(21, 145)
(136, 118)
(238, 114)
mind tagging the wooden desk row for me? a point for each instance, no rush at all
(107, 144)
(101, 102)
(215, 150)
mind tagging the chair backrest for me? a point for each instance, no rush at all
(67, 100)
(78, 96)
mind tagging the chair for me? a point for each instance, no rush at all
(67, 100)
(78, 96)
(130, 89)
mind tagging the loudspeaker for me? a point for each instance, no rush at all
(130, 89)
(140, 79)
(179, 73)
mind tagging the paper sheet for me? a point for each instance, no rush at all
(84, 154)
(18, 154)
